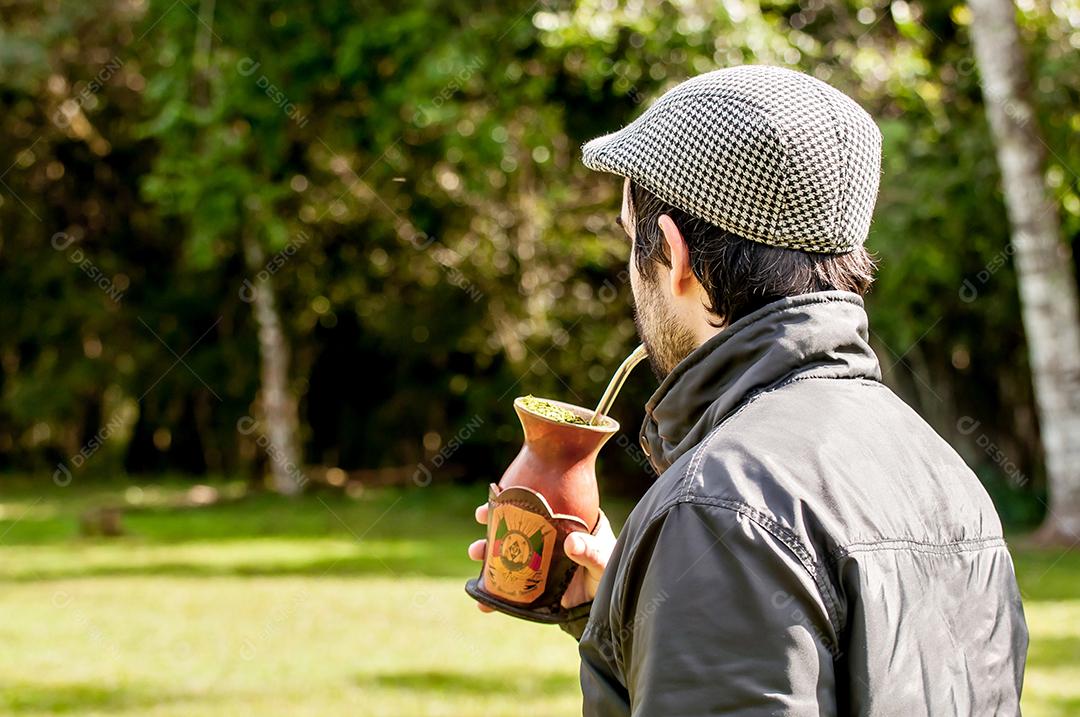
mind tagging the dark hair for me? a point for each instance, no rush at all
(738, 274)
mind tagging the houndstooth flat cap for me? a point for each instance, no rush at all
(767, 153)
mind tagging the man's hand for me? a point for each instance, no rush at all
(590, 552)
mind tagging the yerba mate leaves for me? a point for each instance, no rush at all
(550, 411)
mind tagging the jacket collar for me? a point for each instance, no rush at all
(822, 334)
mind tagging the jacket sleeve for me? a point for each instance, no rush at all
(720, 617)
(576, 619)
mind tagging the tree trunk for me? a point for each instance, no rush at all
(279, 419)
(1044, 264)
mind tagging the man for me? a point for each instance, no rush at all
(811, 546)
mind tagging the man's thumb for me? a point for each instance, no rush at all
(583, 550)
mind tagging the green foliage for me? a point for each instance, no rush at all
(415, 169)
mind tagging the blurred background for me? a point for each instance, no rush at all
(272, 274)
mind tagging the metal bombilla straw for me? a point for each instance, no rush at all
(639, 354)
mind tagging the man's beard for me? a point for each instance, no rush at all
(667, 340)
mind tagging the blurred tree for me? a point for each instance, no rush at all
(410, 176)
(1044, 263)
(192, 115)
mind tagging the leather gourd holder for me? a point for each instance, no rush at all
(548, 492)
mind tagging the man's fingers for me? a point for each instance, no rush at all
(477, 548)
(585, 550)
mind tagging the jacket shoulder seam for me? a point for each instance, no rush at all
(767, 523)
(919, 546)
(778, 531)
(684, 494)
(790, 540)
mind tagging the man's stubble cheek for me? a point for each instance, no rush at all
(644, 320)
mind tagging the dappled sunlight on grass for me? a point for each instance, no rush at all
(417, 531)
(1052, 682)
(1047, 573)
(260, 605)
(253, 556)
(527, 684)
(51, 515)
(275, 646)
(58, 697)
(321, 605)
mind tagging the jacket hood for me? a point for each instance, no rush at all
(820, 335)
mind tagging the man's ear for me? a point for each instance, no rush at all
(681, 276)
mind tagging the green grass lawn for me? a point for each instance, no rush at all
(326, 605)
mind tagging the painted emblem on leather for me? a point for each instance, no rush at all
(520, 546)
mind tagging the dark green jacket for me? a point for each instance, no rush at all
(811, 547)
